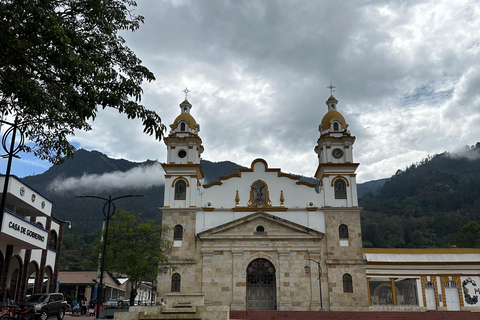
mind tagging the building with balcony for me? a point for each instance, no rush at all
(30, 241)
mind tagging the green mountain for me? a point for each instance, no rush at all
(94, 174)
(427, 204)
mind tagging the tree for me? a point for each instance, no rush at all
(63, 60)
(136, 249)
(469, 236)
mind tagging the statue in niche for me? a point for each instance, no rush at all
(259, 194)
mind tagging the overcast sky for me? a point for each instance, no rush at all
(407, 78)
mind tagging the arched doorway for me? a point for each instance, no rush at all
(32, 276)
(261, 289)
(12, 282)
(47, 277)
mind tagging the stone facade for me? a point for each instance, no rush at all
(244, 242)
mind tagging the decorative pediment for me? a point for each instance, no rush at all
(260, 225)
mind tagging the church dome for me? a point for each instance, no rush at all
(188, 118)
(333, 114)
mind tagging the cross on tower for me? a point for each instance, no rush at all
(186, 93)
(331, 88)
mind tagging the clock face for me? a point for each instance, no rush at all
(337, 153)
(182, 153)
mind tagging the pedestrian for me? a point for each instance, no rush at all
(91, 308)
(83, 305)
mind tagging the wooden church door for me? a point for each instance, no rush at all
(261, 290)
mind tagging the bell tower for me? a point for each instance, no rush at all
(182, 169)
(182, 199)
(343, 238)
(336, 169)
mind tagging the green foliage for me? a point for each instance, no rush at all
(62, 60)
(77, 252)
(469, 236)
(136, 248)
(429, 204)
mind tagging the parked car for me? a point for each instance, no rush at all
(112, 302)
(46, 305)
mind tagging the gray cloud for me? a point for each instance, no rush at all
(407, 75)
(142, 177)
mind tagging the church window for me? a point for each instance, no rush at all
(340, 189)
(335, 126)
(182, 126)
(52, 240)
(175, 282)
(260, 229)
(178, 232)
(343, 231)
(180, 189)
(347, 283)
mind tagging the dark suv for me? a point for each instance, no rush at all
(46, 305)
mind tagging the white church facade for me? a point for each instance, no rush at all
(259, 239)
(264, 240)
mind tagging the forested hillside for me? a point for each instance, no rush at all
(434, 203)
(427, 204)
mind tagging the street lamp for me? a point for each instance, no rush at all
(307, 272)
(107, 213)
(11, 151)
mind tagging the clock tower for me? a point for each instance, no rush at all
(182, 169)
(343, 238)
(336, 169)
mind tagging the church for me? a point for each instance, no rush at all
(262, 239)
(265, 240)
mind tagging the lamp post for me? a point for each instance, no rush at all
(11, 152)
(108, 211)
(307, 272)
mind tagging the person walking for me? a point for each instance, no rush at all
(83, 305)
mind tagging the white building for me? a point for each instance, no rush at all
(30, 241)
(243, 242)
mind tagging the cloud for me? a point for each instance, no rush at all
(406, 73)
(142, 177)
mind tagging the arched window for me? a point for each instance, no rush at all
(182, 126)
(180, 189)
(343, 231)
(178, 232)
(340, 189)
(347, 283)
(176, 282)
(52, 240)
(335, 126)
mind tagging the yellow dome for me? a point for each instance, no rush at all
(333, 114)
(185, 116)
(331, 98)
